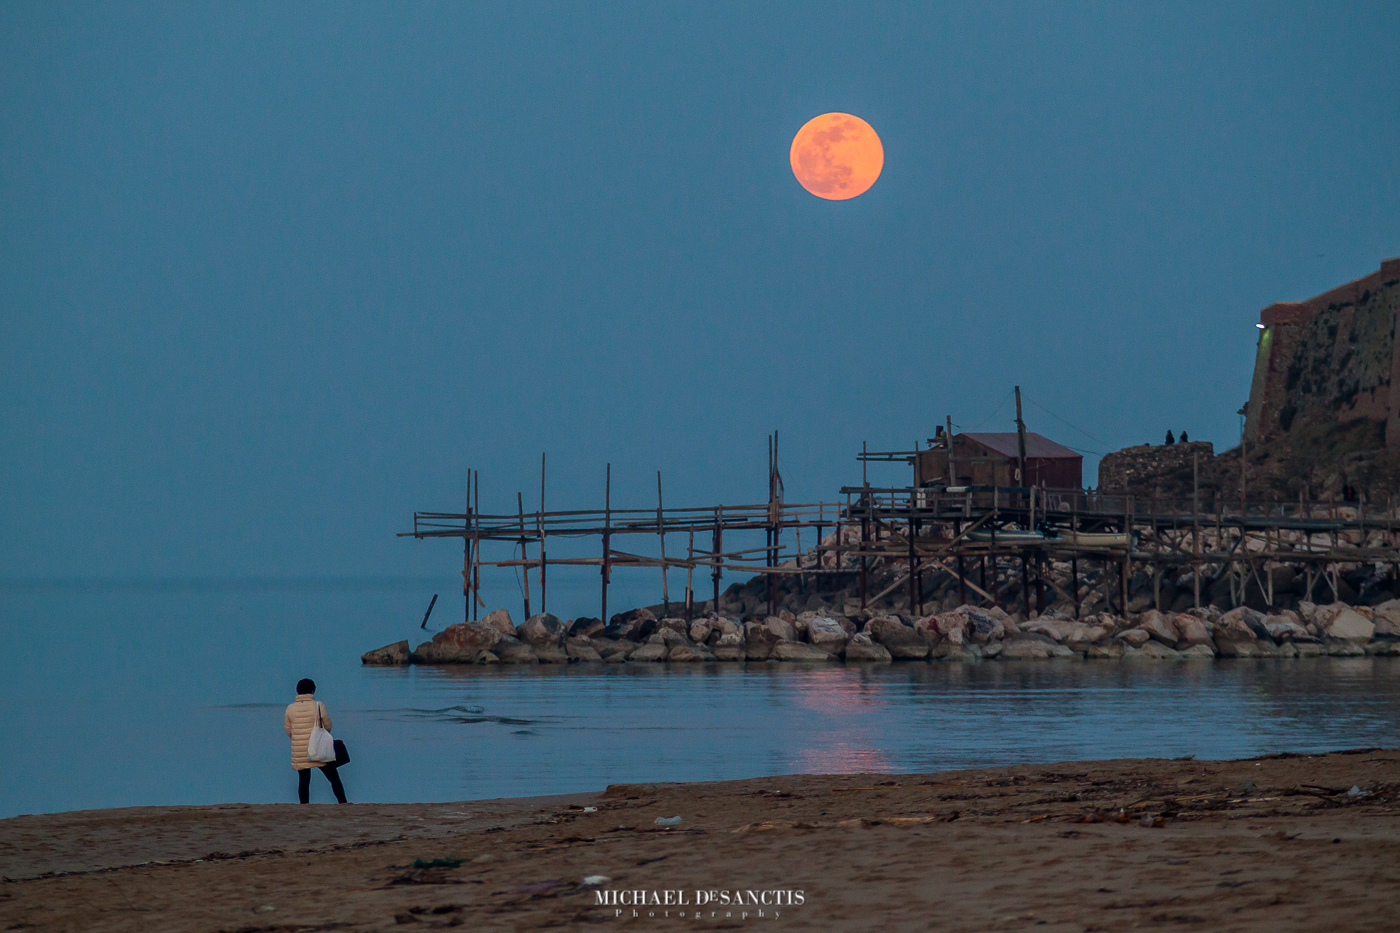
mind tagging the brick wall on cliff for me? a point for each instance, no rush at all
(1327, 360)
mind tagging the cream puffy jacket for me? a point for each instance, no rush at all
(300, 720)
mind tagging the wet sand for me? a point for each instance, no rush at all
(1274, 843)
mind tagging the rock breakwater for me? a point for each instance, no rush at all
(965, 634)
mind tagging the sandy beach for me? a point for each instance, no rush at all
(1274, 843)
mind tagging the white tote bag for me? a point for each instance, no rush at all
(320, 747)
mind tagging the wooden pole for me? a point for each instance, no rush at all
(772, 528)
(1196, 527)
(984, 577)
(948, 440)
(913, 571)
(689, 570)
(607, 537)
(1040, 583)
(466, 551)
(476, 549)
(716, 572)
(1025, 586)
(996, 502)
(962, 581)
(661, 534)
(524, 555)
(1021, 479)
(1127, 549)
(1123, 567)
(1074, 582)
(539, 526)
(864, 537)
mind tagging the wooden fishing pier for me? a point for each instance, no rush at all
(973, 536)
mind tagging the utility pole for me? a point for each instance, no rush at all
(1021, 479)
(948, 442)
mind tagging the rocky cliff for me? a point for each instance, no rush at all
(1165, 470)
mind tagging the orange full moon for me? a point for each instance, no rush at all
(837, 156)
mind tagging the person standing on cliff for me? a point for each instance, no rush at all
(302, 716)
(1170, 439)
(1183, 437)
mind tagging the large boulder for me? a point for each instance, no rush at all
(1192, 632)
(1389, 611)
(1350, 625)
(621, 631)
(543, 631)
(432, 652)
(797, 651)
(970, 623)
(700, 631)
(1285, 627)
(1159, 628)
(861, 648)
(1385, 627)
(514, 651)
(1067, 632)
(727, 626)
(899, 639)
(827, 634)
(926, 627)
(1027, 646)
(998, 613)
(1235, 638)
(552, 654)
(499, 619)
(1198, 653)
(781, 628)
(945, 626)
(805, 620)
(759, 641)
(688, 652)
(651, 651)
(581, 649)
(1251, 619)
(610, 650)
(1106, 650)
(397, 653)
(729, 647)
(1134, 637)
(983, 628)
(963, 651)
(1153, 651)
(470, 637)
(1308, 613)
(586, 627)
(633, 625)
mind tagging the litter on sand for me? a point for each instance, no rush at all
(451, 861)
(668, 821)
(593, 881)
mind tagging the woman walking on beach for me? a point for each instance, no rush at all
(303, 715)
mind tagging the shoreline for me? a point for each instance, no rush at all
(1271, 843)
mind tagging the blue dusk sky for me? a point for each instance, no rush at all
(273, 276)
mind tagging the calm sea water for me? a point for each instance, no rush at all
(146, 695)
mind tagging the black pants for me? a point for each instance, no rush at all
(304, 783)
